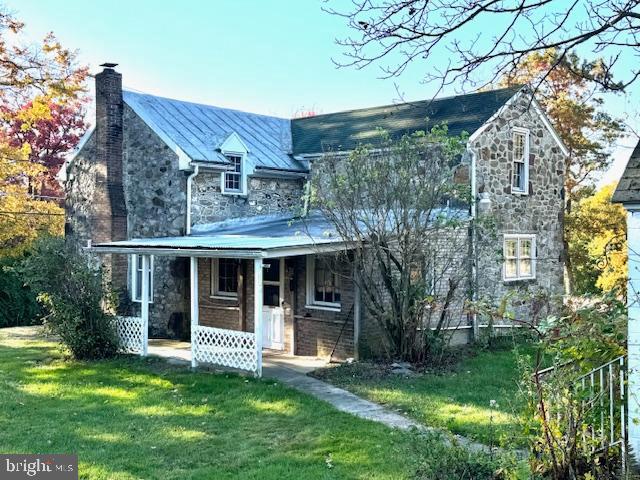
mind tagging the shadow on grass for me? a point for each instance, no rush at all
(141, 418)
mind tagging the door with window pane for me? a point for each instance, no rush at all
(272, 311)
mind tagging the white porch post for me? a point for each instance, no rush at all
(194, 307)
(144, 307)
(257, 310)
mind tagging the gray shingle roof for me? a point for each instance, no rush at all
(628, 190)
(199, 130)
(346, 130)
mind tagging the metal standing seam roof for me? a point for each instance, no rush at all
(346, 130)
(628, 189)
(199, 130)
(254, 234)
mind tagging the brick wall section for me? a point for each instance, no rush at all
(265, 196)
(316, 332)
(215, 312)
(540, 212)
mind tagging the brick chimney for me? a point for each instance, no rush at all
(110, 210)
(111, 207)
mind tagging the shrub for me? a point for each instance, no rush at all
(18, 304)
(461, 464)
(74, 296)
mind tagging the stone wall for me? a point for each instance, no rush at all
(265, 196)
(155, 192)
(540, 212)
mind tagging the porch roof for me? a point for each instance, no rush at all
(253, 237)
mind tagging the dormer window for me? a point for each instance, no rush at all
(233, 180)
(233, 177)
(520, 181)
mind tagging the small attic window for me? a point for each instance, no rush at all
(233, 178)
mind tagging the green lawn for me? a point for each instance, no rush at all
(458, 400)
(133, 418)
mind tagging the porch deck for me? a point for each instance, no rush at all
(179, 351)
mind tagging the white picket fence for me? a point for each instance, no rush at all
(131, 333)
(228, 348)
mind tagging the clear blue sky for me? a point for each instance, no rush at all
(272, 57)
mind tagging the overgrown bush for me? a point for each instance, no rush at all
(74, 297)
(18, 304)
(563, 408)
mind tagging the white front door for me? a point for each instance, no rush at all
(272, 311)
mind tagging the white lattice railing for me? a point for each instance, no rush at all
(130, 332)
(229, 348)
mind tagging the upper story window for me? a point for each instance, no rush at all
(224, 277)
(233, 181)
(323, 283)
(519, 257)
(520, 181)
(136, 278)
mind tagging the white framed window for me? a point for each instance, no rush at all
(323, 283)
(520, 180)
(519, 257)
(224, 278)
(233, 179)
(135, 263)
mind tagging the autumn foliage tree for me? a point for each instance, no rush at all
(40, 120)
(597, 244)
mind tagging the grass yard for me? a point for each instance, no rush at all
(458, 400)
(133, 418)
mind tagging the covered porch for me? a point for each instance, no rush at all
(229, 329)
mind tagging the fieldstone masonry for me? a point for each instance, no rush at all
(539, 212)
(265, 196)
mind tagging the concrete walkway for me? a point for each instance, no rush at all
(293, 371)
(341, 399)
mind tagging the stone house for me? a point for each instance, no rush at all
(193, 210)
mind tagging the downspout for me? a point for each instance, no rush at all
(474, 253)
(190, 178)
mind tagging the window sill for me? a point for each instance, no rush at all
(235, 194)
(521, 280)
(326, 308)
(224, 297)
(519, 193)
(140, 301)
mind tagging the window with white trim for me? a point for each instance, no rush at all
(520, 181)
(323, 282)
(224, 277)
(519, 257)
(233, 181)
(136, 278)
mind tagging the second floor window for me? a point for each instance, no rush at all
(520, 182)
(233, 177)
